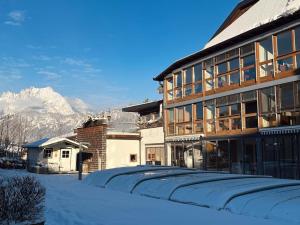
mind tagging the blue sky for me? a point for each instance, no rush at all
(104, 52)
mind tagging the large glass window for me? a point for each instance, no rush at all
(209, 74)
(170, 86)
(198, 78)
(188, 79)
(210, 116)
(178, 85)
(198, 123)
(170, 122)
(288, 112)
(250, 109)
(184, 120)
(248, 62)
(267, 107)
(266, 57)
(297, 38)
(284, 43)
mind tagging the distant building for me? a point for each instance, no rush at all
(109, 148)
(152, 150)
(53, 155)
(235, 105)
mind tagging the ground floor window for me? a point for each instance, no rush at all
(133, 157)
(48, 153)
(155, 155)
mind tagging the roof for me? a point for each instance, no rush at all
(261, 17)
(45, 142)
(264, 11)
(144, 108)
(239, 10)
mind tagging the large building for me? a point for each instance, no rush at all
(235, 105)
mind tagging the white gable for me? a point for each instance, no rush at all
(263, 12)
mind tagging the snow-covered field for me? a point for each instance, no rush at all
(69, 201)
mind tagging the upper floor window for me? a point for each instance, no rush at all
(170, 121)
(170, 86)
(250, 109)
(210, 115)
(265, 53)
(248, 62)
(297, 38)
(285, 61)
(188, 80)
(284, 43)
(267, 107)
(198, 78)
(209, 74)
(198, 124)
(178, 85)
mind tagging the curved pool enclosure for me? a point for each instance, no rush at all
(257, 196)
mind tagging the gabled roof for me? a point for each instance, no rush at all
(264, 11)
(144, 108)
(45, 142)
(261, 17)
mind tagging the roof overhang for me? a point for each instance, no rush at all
(145, 108)
(230, 42)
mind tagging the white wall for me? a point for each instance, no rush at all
(118, 152)
(151, 137)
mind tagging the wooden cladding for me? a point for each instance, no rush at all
(270, 58)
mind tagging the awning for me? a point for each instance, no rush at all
(183, 138)
(280, 130)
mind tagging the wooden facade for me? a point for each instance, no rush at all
(219, 99)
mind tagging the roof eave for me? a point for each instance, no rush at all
(226, 43)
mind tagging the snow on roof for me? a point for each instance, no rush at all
(263, 12)
(50, 141)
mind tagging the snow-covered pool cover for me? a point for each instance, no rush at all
(257, 196)
(128, 182)
(101, 178)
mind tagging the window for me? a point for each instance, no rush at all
(297, 38)
(65, 154)
(285, 61)
(178, 85)
(248, 62)
(209, 74)
(133, 157)
(228, 113)
(48, 153)
(198, 78)
(227, 69)
(170, 122)
(267, 107)
(284, 43)
(184, 120)
(250, 109)
(188, 80)
(198, 123)
(266, 66)
(210, 115)
(170, 86)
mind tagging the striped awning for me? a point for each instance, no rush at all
(183, 138)
(280, 130)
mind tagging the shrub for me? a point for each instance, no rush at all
(21, 200)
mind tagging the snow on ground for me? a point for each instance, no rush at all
(69, 201)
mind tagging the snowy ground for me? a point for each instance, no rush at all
(69, 201)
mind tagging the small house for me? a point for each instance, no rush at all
(53, 155)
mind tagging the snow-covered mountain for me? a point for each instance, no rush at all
(40, 100)
(35, 113)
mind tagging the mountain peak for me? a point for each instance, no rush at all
(40, 100)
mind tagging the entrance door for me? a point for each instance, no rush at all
(155, 155)
(250, 165)
(65, 160)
